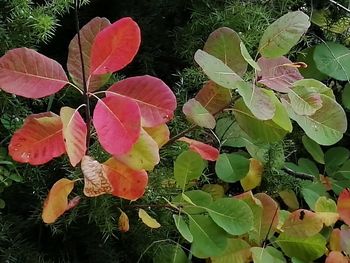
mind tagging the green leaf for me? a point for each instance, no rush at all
(188, 166)
(339, 185)
(170, 253)
(304, 100)
(216, 70)
(334, 158)
(344, 170)
(283, 34)
(192, 202)
(199, 115)
(312, 192)
(308, 166)
(233, 215)
(2, 203)
(258, 102)
(215, 190)
(307, 249)
(333, 59)
(231, 167)
(262, 131)
(267, 255)
(224, 44)
(237, 251)
(209, 239)
(311, 70)
(182, 227)
(230, 134)
(247, 57)
(326, 126)
(345, 96)
(316, 86)
(313, 148)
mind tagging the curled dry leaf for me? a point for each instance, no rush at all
(96, 181)
(123, 222)
(147, 219)
(56, 203)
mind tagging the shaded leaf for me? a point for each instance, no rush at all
(290, 199)
(335, 157)
(231, 167)
(39, 140)
(196, 113)
(215, 190)
(267, 255)
(314, 149)
(123, 222)
(148, 220)
(247, 57)
(311, 70)
(170, 253)
(237, 251)
(312, 191)
(206, 151)
(334, 240)
(29, 74)
(56, 203)
(336, 257)
(182, 227)
(346, 96)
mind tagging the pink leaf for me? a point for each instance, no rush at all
(206, 151)
(278, 73)
(336, 257)
(117, 121)
(87, 36)
(343, 206)
(39, 140)
(199, 115)
(155, 99)
(115, 46)
(74, 134)
(27, 73)
(127, 183)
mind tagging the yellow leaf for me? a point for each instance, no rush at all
(290, 199)
(147, 219)
(253, 177)
(123, 222)
(56, 203)
(160, 134)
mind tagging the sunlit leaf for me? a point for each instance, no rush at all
(182, 227)
(343, 205)
(224, 44)
(126, 182)
(277, 73)
(74, 134)
(206, 151)
(156, 100)
(267, 255)
(231, 167)
(283, 34)
(27, 73)
(56, 203)
(290, 199)
(316, 86)
(160, 134)
(213, 97)
(254, 175)
(313, 148)
(304, 101)
(123, 222)
(115, 46)
(326, 209)
(87, 35)
(247, 57)
(148, 220)
(199, 115)
(237, 251)
(118, 123)
(39, 140)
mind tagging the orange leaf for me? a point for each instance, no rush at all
(127, 183)
(39, 140)
(160, 134)
(334, 240)
(206, 151)
(74, 134)
(56, 203)
(123, 222)
(336, 257)
(343, 205)
(95, 179)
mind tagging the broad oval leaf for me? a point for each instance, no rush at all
(304, 101)
(96, 181)
(311, 70)
(199, 115)
(216, 70)
(27, 73)
(278, 73)
(74, 134)
(313, 148)
(115, 46)
(156, 100)
(233, 215)
(283, 34)
(148, 220)
(118, 123)
(194, 201)
(231, 167)
(182, 227)
(208, 238)
(144, 154)
(170, 253)
(206, 151)
(127, 183)
(346, 96)
(316, 86)
(326, 210)
(87, 35)
(39, 140)
(160, 134)
(56, 203)
(237, 251)
(224, 44)
(213, 97)
(290, 199)
(326, 126)
(267, 255)
(336, 257)
(343, 205)
(333, 59)
(188, 166)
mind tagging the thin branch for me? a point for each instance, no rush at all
(299, 175)
(85, 90)
(181, 134)
(339, 5)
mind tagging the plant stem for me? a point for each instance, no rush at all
(299, 175)
(339, 5)
(150, 206)
(85, 90)
(181, 134)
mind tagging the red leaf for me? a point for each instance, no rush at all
(127, 183)
(115, 46)
(343, 206)
(74, 134)
(206, 151)
(27, 73)
(39, 140)
(87, 36)
(213, 97)
(155, 99)
(117, 121)
(277, 73)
